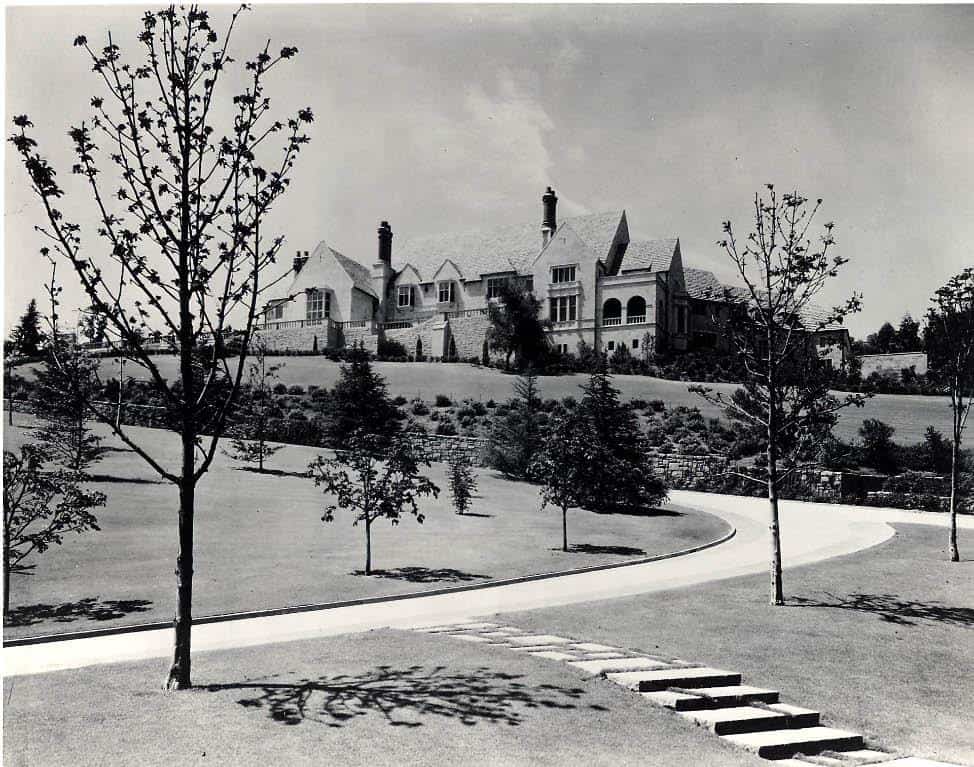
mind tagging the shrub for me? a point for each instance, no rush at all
(280, 388)
(446, 428)
(399, 401)
(878, 449)
(388, 349)
(296, 390)
(420, 408)
(490, 404)
(443, 401)
(657, 405)
(638, 404)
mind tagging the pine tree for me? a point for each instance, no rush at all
(617, 473)
(359, 403)
(27, 337)
(250, 429)
(517, 435)
(66, 386)
(463, 481)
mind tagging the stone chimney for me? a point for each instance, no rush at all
(300, 259)
(549, 223)
(385, 242)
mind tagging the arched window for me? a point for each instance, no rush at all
(612, 312)
(635, 310)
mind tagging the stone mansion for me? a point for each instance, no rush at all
(431, 294)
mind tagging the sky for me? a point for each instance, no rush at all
(448, 118)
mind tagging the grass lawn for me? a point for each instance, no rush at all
(909, 415)
(260, 543)
(880, 642)
(374, 699)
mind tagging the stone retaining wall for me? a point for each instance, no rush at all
(678, 469)
(430, 332)
(440, 447)
(300, 339)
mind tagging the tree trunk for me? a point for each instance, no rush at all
(952, 551)
(6, 574)
(774, 528)
(260, 453)
(368, 546)
(564, 528)
(179, 672)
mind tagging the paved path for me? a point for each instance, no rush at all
(810, 533)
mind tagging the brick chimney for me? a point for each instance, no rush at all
(299, 261)
(385, 242)
(549, 223)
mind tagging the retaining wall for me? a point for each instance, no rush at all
(441, 447)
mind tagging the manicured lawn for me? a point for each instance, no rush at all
(880, 641)
(362, 700)
(910, 415)
(260, 543)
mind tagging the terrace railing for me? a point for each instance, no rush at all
(637, 319)
(611, 321)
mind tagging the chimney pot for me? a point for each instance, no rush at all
(385, 242)
(549, 222)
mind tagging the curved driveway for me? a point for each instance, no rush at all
(810, 533)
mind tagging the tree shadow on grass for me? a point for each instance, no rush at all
(272, 472)
(588, 548)
(424, 575)
(483, 695)
(476, 515)
(639, 511)
(132, 480)
(89, 608)
(893, 609)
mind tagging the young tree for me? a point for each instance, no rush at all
(40, 507)
(374, 479)
(27, 338)
(67, 385)
(617, 473)
(516, 436)
(463, 481)
(562, 465)
(249, 442)
(787, 389)
(515, 327)
(908, 335)
(359, 403)
(950, 344)
(180, 232)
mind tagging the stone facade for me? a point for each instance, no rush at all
(687, 470)
(301, 337)
(892, 364)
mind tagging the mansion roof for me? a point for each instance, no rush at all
(502, 249)
(649, 255)
(316, 271)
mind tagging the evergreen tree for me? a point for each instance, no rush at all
(66, 386)
(516, 436)
(359, 403)
(617, 473)
(463, 481)
(250, 430)
(27, 337)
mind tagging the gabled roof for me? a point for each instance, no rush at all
(649, 255)
(704, 286)
(360, 274)
(316, 270)
(498, 250)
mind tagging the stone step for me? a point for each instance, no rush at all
(618, 664)
(552, 655)
(780, 744)
(913, 761)
(526, 640)
(738, 719)
(866, 755)
(797, 716)
(711, 697)
(593, 647)
(662, 679)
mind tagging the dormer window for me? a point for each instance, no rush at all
(445, 292)
(494, 285)
(405, 296)
(563, 274)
